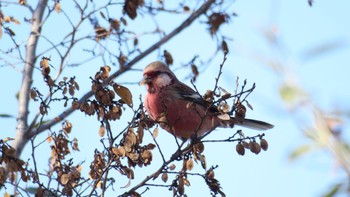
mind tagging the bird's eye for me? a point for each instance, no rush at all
(153, 74)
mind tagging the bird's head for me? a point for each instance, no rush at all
(157, 75)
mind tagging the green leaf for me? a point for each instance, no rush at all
(6, 116)
(333, 191)
(300, 151)
(291, 94)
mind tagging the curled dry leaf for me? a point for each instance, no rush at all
(124, 93)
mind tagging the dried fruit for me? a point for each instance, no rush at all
(165, 177)
(240, 149)
(172, 167)
(263, 144)
(254, 147)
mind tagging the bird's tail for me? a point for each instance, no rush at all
(248, 123)
(254, 124)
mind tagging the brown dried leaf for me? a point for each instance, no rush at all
(131, 6)
(194, 70)
(33, 94)
(180, 187)
(75, 144)
(187, 182)
(186, 8)
(15, 21)
(248, 104)
(44, 63)
(189, 164)
(49, 139)
(168, 58)
(224, 46)
(155, 132)
(64, 179)
(102, 131)
(199, 147)
(224, 117)
(124, 93)
(115, 24)
(71, 90)
(136, 42)
(124, 21)
(140, 133)
(151, 146)
(57, 7)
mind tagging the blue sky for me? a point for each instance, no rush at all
(324, 77)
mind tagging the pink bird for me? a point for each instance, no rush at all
(179, 109)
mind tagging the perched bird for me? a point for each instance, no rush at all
(179, 109)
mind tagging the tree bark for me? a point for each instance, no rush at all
(30, 59)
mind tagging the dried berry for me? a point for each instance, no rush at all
(263, 144)
(240, 149)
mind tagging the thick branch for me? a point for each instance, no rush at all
(23, 100)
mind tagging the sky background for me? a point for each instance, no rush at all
(300, 28)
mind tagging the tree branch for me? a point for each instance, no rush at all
(23, 100)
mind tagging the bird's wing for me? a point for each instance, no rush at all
(186, 93)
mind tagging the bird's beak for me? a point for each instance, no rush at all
(146, 80)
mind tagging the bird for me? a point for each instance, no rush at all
(179, 109)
